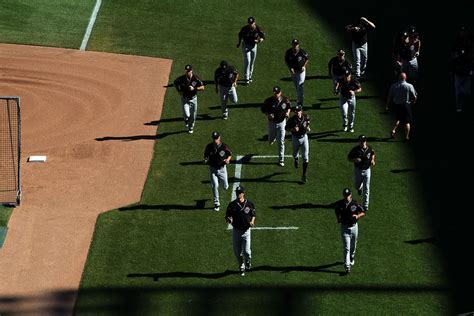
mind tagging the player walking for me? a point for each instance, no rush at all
(297, 59)
(217, 155)
(363, 157)
(225, 78)
(277, 108)
(348, 212)
(348, 87)
(298, 125)
(250, 36)
(241, 215)
(338, 66)
(187, 86)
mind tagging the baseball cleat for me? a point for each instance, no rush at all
(304, 179)
(351, 130)
(281, 163)
(352, 262)
(248, 265)
(216, 207)
(190, 131)
(347, 269)
(225, 116)
(242, 271)
(344, 128)
(392, 135)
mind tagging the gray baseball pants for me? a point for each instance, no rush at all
(218, 176)
(335, 79)
(349, 243)
(362, 181)
(410, 67)
(298, 79)
(302, 143)
(276, 131)
(348, 108)
(224, 94)
(241, 245)
(250, 54)
(360, 53)
(462, 87)
(189, 107)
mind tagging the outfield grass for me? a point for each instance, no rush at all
(165, 254)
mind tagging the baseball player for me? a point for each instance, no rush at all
(359, 44)
(348, 212)
(187, 86)
(241, 215)
(402, 95)
(407, 55)
(348, 87)
(297, 59)
(277, 108)
(298, 125)
(250, 36)
(462, 69)
(217, 155)
(338, 66)
(225, 79)
(363, 157)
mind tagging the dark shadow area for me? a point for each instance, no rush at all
(354, 140)
(430, 240)
(157, 123)
(199, 205)
(404, 170)
(265, 179)
(319, 135)
(318, 106)
(304, 206)
(435, 119)
(157, 276)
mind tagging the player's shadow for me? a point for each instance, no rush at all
(318, 106)
(200, 117)
(180, 275)
(354, 140)
(303, 206)
(267, 179)
(138, 137)
(322, 268)
(405, 170)
(238, 106)
(198, 206)
(320, 135)
(430, 240)
(313, 77)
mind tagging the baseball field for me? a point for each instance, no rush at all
(169, 253)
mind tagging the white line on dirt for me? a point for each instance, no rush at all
(85, 40)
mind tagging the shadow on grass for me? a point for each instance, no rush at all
(138, 137)
(238, 106)
(304, 206)
(199, 205)
(266, 179)
(430, 240)
(355, 141)
(312, 77)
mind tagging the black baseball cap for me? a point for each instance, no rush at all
(251, 20)
(298, 108)
(362, 138)
(239, 189)
(224, 64)
(215, 135)
(295, 42)
(346, 192)
(276, 89)
(341, 52)
(188, 67)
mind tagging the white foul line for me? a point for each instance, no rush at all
(85, 40)
(238, 173)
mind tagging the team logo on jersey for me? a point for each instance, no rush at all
(247, 210)
(222, 153)
(353, 208)
(194, 83)
(412, 47)
(283, 106)
(300, 58)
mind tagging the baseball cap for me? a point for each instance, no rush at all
(215, 135)
(251, 20)
(224, 64)
(188, 67)
(295, 42)
(347, 73)
(298, 108)
(239, 189)
(341, 52)
(362, 138)
(276, 89)
(346, 192)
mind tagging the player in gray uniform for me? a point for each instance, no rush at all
(217, 155)
(402, 95)
(348, 87)
(363, 157)
(187, 86)
(297, 59)
(407, 55)
(338, 66)
(359, 44)
(348, 212)
(225, 78)
(277, 108)
(250, 36)
(298, 124)
(241, 215)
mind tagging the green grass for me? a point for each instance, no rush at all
(5, 213)
(166, 255)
